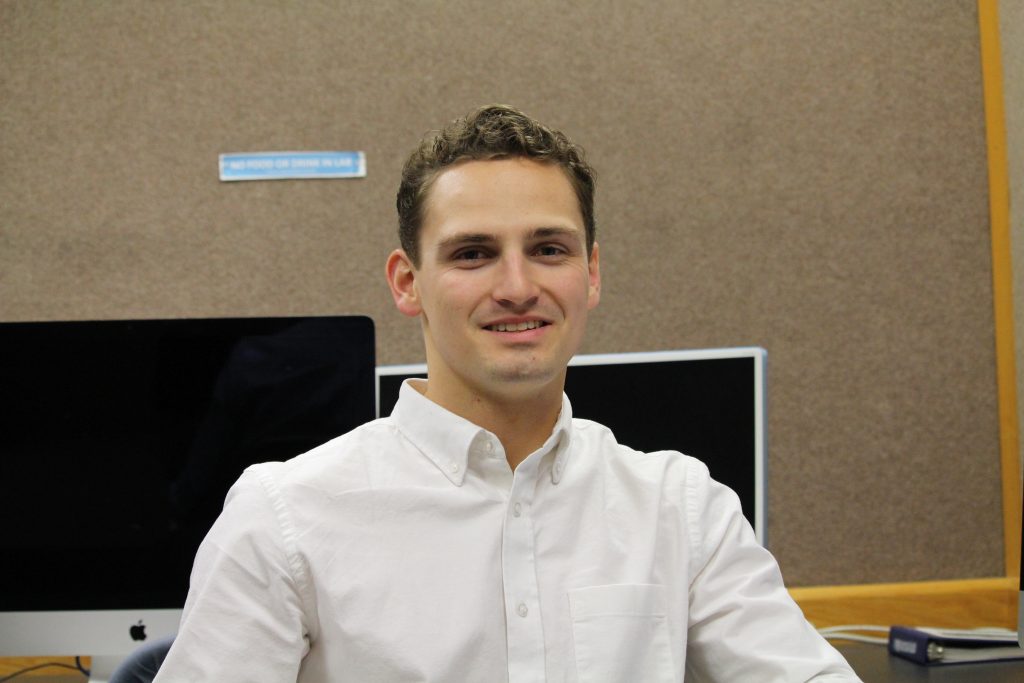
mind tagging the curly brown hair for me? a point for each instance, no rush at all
(492, 132)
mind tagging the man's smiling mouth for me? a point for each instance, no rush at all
(516, 327)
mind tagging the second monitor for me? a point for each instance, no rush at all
(707, 403)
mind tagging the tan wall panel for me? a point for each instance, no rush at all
(808, 177)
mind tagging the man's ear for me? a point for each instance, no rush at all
(402, 280)
(594, 275)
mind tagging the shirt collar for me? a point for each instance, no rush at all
(449, 441)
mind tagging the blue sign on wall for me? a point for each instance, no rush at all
(292, 165)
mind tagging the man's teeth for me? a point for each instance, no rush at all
(516, 327)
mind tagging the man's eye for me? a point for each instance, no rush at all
(550, 250)
(470, 255)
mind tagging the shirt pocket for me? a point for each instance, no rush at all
(620, 633)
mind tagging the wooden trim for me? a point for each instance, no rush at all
(11, 665)
(968, 603)
(1002, 280)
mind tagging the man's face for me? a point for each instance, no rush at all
(504, 283)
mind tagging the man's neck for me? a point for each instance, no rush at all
(522, 424)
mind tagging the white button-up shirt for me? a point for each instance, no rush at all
(408, 550)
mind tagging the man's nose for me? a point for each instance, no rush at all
(515, 285)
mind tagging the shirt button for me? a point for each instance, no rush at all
(453, 467)
(521, 610)
(517, 510)
(489, 447)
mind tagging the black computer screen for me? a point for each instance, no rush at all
(119, 440)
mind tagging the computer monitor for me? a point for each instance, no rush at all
(118, 442)
(706, 403)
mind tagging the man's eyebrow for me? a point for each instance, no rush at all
(466, 238)
(555, 231)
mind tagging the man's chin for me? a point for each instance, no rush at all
(522, 377)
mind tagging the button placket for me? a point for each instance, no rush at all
(525, 631)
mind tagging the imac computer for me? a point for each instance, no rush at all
(118, 442)
(706, 403)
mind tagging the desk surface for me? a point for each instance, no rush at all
(874, 664)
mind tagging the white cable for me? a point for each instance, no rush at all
(855, 627)
(848, 633)
(839, 635)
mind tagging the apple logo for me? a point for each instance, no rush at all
(138, 631)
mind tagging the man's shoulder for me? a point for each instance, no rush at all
(342, 457)
(594, 437)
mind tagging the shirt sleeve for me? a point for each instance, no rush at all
(244, 618)
(743, 624)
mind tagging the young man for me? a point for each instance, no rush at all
(481, 533)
